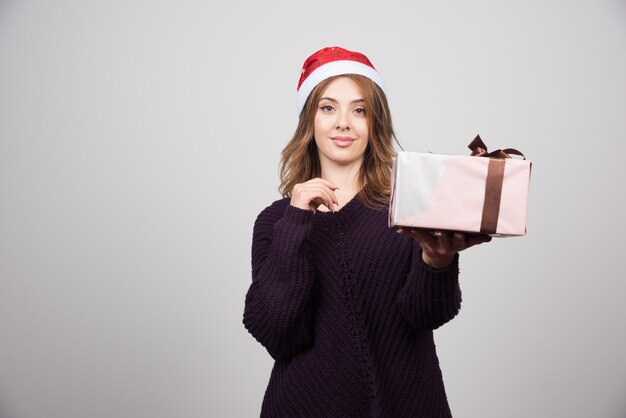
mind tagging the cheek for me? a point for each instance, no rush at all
(365, 136)
(364, 128)
(320, 126)
(365, 143)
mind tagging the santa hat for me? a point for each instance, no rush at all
(329, 62)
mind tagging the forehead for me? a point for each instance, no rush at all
(343, 88)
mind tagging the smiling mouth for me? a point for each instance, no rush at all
(342, 141)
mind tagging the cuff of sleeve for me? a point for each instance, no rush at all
(297, 216)
(452, 265)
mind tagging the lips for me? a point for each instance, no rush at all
(342, 141)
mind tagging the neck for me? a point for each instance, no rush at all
(346, 177)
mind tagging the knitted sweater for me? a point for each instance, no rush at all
(346, 307)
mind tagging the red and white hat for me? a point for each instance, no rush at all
(329, 62)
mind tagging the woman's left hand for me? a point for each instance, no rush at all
(440, 247)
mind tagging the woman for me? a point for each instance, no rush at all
(345, 305)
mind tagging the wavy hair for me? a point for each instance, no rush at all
(300, 160)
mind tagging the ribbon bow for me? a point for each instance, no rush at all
(493, 182)
(479, 149)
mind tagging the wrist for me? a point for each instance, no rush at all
(437, 262)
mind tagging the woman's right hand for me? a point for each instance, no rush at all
(309, 195)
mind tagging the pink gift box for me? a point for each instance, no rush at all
(486, 194)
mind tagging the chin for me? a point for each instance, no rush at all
(342, 156)
(344, 161)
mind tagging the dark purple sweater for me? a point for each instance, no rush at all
(346, 307)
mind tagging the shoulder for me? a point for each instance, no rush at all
(281, 212)
(274, 211)
(268, 217)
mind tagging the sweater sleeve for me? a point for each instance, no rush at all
(277, 307)
(430, 297)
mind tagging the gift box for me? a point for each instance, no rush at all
(486, 192)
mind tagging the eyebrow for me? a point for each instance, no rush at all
(330, 99)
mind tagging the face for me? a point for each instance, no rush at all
(340, 127)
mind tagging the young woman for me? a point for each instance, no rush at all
(345, 305)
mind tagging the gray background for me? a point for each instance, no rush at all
(140, 139)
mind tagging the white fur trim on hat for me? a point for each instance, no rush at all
(332, 69)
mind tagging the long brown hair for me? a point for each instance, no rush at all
(300, 160)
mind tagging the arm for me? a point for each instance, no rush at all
(277, 308)
(430, 297)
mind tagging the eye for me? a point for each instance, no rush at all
(326, 108)
(360, 110)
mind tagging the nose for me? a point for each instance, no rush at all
(343, 121)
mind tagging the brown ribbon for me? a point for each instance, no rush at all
(493, 182)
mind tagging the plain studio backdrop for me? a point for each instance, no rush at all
(140, 139)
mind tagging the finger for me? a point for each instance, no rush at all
(304, 194)
(458, 241)
(404, 231)
(424, 237)
(317, 195)
(316, 189)
(315, 203)
(329, 198)
(324, 182)
(333, 197)
(475, 239)
(443, 238)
